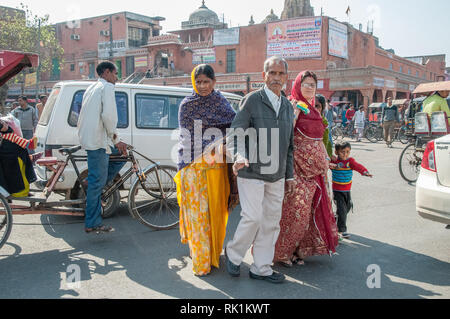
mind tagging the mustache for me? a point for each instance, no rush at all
(275, 82)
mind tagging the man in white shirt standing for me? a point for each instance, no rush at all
(360, 122)
(97, 130)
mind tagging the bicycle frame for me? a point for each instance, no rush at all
(41, 206)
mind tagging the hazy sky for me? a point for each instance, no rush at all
(410, 27)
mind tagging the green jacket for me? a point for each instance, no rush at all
(435, 103)
(326, 139)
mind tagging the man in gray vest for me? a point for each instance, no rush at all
(263, 161)
(388, 119)
(28, 118)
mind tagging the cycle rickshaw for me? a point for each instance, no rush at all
(421, 129)
(151, 199)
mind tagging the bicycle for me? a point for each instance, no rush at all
(151, 197)
(373, 132)
(338, 131)
(411, 159)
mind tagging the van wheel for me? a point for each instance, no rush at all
(111, 206)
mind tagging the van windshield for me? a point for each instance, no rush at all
(48, 109)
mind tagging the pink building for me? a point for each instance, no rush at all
(117, 37)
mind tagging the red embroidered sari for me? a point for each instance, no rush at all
(308, 225)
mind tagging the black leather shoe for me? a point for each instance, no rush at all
(233, 270)
(275, 278)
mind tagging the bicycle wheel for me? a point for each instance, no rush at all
(165, 174)
(147, 203)
(111, 206)
(410, 162)
(336, 132)
(371, 135)
(6, 220)
(402, 137)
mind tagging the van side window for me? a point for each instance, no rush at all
(234, 104)
(157, 111)
(122, 109)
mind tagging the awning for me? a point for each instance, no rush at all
(12, 62)
(377, 105)
(399, 102)
(425, 88)
(336, 103)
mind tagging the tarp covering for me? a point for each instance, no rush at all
(376, 105)
(399, 102)
(12, 62)
(425, 88)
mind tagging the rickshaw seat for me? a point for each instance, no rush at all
(47, 161)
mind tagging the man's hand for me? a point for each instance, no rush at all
(122, 147)
(290, 186)
(240, 165)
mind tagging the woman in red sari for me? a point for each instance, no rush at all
(308, 225)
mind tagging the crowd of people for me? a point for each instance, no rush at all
(286, 213)
(285, 197)
(17, 145)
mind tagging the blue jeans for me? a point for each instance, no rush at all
(101, 172)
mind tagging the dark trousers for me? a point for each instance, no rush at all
(344, 204)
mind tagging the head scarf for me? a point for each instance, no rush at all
(310, 122)
(214, 111)
(193, 80)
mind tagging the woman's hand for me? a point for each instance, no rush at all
(296, 110)
(4, 126)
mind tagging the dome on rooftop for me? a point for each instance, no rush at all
(203, 14)
(271, 17)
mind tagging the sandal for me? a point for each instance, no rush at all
(99, 230)
(298, 261)
(287, 264)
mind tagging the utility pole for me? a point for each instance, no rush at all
(111, 52)
(38, 71)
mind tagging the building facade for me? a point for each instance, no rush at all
(117, 37)
(351, 65)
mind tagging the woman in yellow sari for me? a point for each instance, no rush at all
(203, 187)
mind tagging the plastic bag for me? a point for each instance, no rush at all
(13, 123)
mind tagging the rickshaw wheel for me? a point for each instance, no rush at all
(410, 162)
(109, 209)
(6, 220)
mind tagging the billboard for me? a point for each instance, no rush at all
(119, 48)
(140, 62)
(337, 39)
(201, 56)
(30, 79)
(226, 36)
(295, 39)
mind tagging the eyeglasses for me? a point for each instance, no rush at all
(309, 85)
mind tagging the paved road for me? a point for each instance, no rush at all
(412, 254)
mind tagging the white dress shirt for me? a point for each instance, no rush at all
(274, 99)
(97, 123)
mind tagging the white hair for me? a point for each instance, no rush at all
(274, 60)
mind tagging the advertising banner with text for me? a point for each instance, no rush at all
(201, 56)
(338, 39)
(295, 39)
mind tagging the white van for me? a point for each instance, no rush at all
(148, 119)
